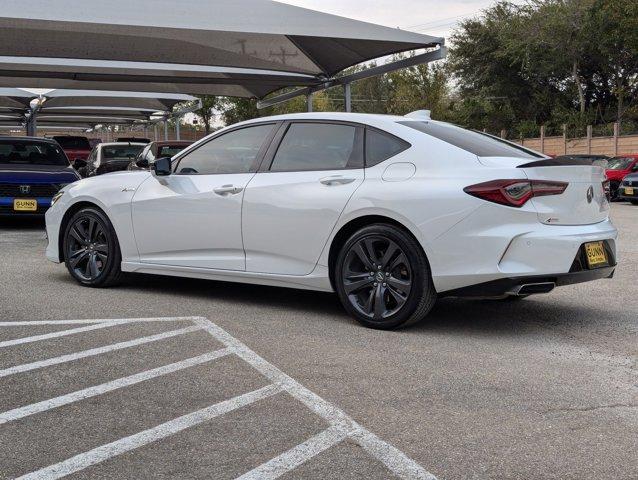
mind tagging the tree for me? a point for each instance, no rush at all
(206, 114)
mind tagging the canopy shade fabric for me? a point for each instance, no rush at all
(99, 100)
(256, 46)
(15, 99)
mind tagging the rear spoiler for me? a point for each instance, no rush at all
(564, 162)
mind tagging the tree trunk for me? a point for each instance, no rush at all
(579, 86)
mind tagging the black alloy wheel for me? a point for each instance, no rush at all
(91, 251)
(383, 278)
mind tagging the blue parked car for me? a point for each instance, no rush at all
(32, 171)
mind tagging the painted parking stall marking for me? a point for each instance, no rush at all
(340, 428)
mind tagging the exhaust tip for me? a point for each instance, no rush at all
(532, 288)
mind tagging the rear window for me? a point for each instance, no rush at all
(169, 150)
(31, 153)
(620, 163)
(73, 143)
(124, 152)
(477, 143)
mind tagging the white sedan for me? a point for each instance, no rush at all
(390, 212)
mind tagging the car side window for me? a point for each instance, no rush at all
(233, 152)
(319, 146)
(382, 145)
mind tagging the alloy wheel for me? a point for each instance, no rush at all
(88, 250)
(377, 277)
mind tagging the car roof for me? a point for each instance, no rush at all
(28, 139)
(119, 144)
(163, 143)
(340, 116)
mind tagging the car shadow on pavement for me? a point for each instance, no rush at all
(450, 315)
(22, 223)
(256, 295)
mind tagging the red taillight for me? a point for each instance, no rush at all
(514, 193)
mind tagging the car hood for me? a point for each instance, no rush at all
(37, 174)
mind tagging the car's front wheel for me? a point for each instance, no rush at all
(91, 250)
(383, 278)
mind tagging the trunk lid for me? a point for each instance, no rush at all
(582, 203)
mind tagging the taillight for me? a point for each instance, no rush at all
(514, 193)
(607, 189)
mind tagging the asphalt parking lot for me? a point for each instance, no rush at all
(172, 378)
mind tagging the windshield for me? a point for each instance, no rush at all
(619, 163)
(121, 152)
(169, 150)
(73, 143)
(31, 153)
(478, 143)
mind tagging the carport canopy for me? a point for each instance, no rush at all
(15, 100)
(245, 48)
(88, 103)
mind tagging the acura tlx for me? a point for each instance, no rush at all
(389, 212)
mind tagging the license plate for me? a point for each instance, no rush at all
(629, 190)
(25, 205)
(596, 254)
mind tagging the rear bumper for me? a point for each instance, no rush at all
(494, 244)
(505, 286)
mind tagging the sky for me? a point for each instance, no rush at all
(433, 17)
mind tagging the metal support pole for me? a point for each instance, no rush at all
(32, 125)
(177, 132)
(309, 102)
(155, 132)
(348, 94)
(165, 129)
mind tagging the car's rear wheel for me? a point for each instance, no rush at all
(91, 250)
(383, 278)
(634, 202)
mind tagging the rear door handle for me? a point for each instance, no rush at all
(336, 180)
(227, 190)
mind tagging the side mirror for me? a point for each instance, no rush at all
(635, 168)
(162, 167)
(142, 163)
(79, 163)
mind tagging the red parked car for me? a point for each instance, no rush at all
(617, 168)
(75, 147)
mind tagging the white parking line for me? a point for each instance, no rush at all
(62, 333)
(399, 463)
(297, 455)
(126, 444)
(341, 426)
(27, 323)
(45, 405)
(95, 351)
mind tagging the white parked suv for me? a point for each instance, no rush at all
(390, 212)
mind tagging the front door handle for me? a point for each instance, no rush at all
(227, 190)
(336, 180)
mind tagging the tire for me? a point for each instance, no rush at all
(613, 191)
(91, 249)
(634, 202)
(400, 290)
